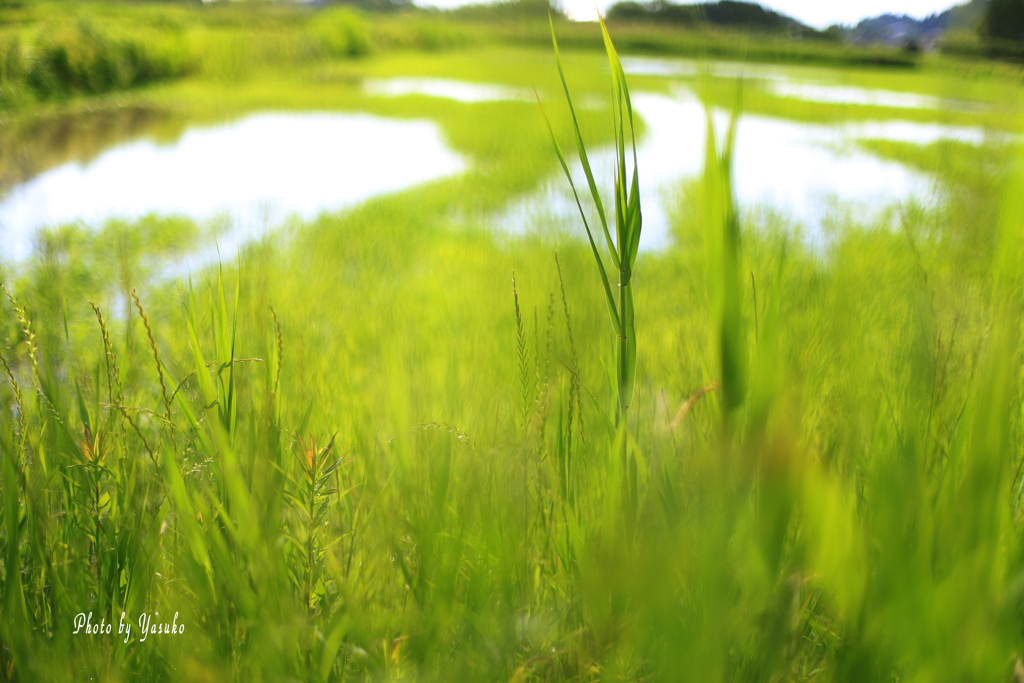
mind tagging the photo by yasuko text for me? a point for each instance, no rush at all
(148, 625)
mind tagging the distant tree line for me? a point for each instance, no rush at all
(508, 10)
(367, 5)
(1005, 20)
(729, 13)
(1002, 20)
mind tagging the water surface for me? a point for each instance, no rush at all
(460, 91)
(846, 94)
(804, 172)
(794, 84)
(256, 170)
(656, 66)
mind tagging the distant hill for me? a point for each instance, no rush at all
(892, 29)
(508, 10)
(729, 13)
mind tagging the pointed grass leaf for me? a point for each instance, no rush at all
(581, 149)
(634, 220)
(722, 258)
(190, 416)
(612, 311)
(206, 386)
(629, 360)
(13, 600)
(189, 526)
(627, 214)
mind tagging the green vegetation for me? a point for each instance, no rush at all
(622, 251)
(1005, 19)
(389, 444)
(990, 28)
(52, 51)
(746, 15)
(714, 42)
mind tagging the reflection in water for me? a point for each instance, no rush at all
(30, 146)
(841, 94)
(460, 91)
(654, 66)
(801, 170)
(256, 170)
(782, 83)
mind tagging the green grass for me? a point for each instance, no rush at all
(450, 483)
(363, 453)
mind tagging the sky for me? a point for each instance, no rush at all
(817, 13)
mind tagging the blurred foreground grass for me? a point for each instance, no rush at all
(854, 515)
(368, 455)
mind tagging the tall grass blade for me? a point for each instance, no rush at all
(610, 299)
(628, 217)
(722, 239)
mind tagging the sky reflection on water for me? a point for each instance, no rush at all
(263, 168)
(258, 170)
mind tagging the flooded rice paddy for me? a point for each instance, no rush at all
(803, 172)
(262, 168)
(255, 171)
